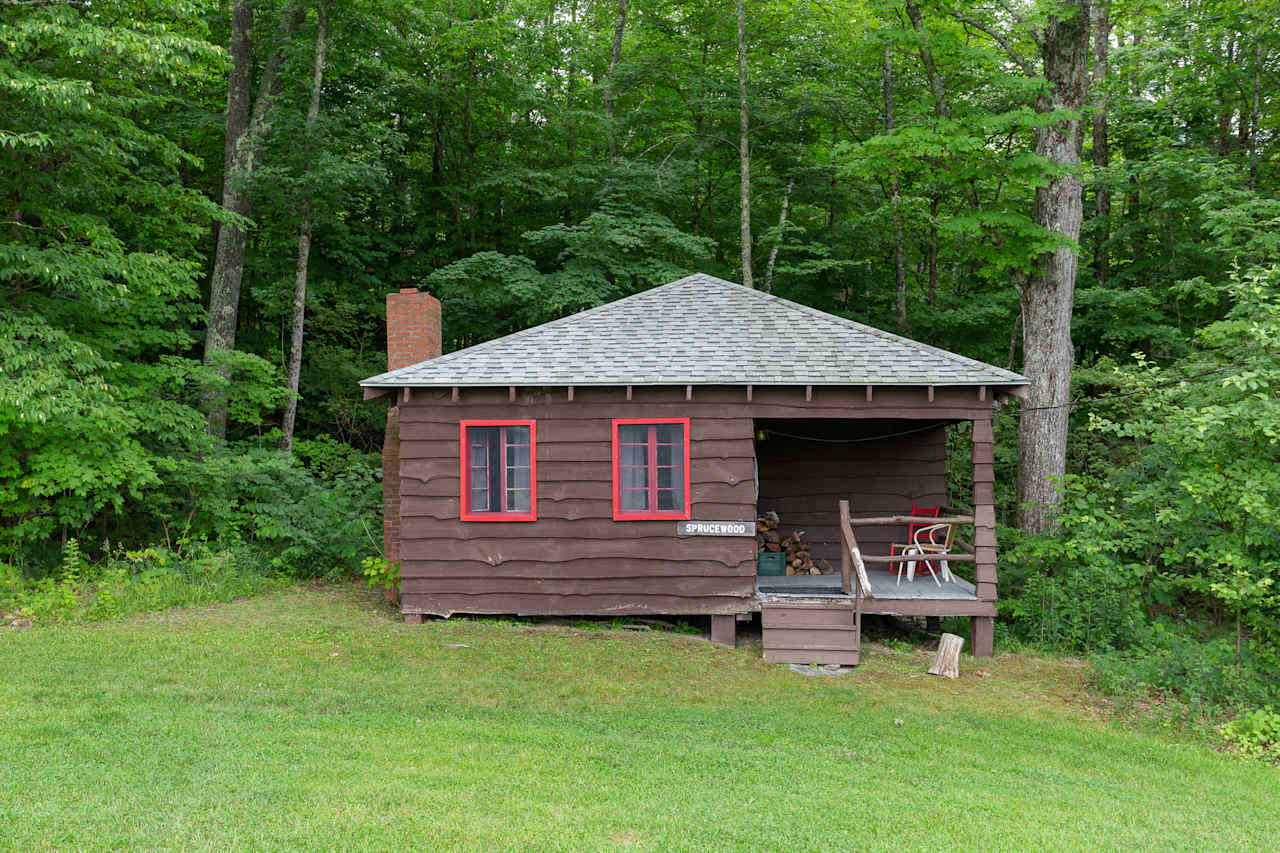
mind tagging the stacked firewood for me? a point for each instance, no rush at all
(798, 553)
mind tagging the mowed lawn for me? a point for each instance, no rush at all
(314, 719)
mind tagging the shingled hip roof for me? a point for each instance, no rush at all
(699, 330)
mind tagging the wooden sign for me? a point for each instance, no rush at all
(715, 528)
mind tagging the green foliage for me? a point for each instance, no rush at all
(1190, 675)
(301, 523)
(1255, 734)
(1081, 588)
(124, 582)
(380, 573)
(1174, 526)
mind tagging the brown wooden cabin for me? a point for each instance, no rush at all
(549, 471)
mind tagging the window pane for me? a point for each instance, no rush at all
(482, 445)
(666, 453)
(670, 499)
(634, 499)
(633, 478)
(517, 500)
(671, 434)
(665, 478)
(632, 454)
(633, 434)
(518, 455)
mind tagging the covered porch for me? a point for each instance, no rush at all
(851, 487)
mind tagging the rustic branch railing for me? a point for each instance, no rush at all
(850, 550)
(913, 519)
(851, 543)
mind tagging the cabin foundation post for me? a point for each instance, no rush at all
(982, 630)
(413, 619)
(724, 630)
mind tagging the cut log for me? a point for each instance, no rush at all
(947, 663)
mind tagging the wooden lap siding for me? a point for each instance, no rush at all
(803, 481)
(575, 559)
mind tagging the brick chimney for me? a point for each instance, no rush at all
(413, 327)
(413, 335)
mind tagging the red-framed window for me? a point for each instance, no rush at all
(650, 468)
(499, 470)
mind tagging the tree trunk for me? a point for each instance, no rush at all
(571, 86)
(1013, 340)
(744, 150)
(224, 288)
(619, 25)
(243, 140)
(933, 250)
(936, 84)
(304, 233)
(1254, 116)
(1050, 293)
(1101, 156)
(947, 661)
(899, 251)
(782, 227)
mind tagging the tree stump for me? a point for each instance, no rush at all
(947, 663)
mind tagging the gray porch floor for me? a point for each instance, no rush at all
(884, 585)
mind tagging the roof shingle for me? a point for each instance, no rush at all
(699, 330)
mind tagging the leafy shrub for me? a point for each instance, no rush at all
(1081, 589)
(130, 582)
(1204, 675)
(1255, 734)
(381, 574)
(301, 523)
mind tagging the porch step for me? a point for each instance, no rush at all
(810, 633)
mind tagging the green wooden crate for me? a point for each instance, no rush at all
(771, 563)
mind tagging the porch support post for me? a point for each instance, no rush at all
(982, 631)
(724, 630)
(413, 619)
(982, 628)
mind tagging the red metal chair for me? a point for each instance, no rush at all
(900, 547)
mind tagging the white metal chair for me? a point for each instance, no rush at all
(924, 540)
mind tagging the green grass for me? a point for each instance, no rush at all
(314, 719)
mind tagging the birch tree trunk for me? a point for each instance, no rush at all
(228, 265)
(619, 26)
(304, 233)
(744, 149)
(899, 251)
(1101, 155)
(782, 226)
(1048, 299)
